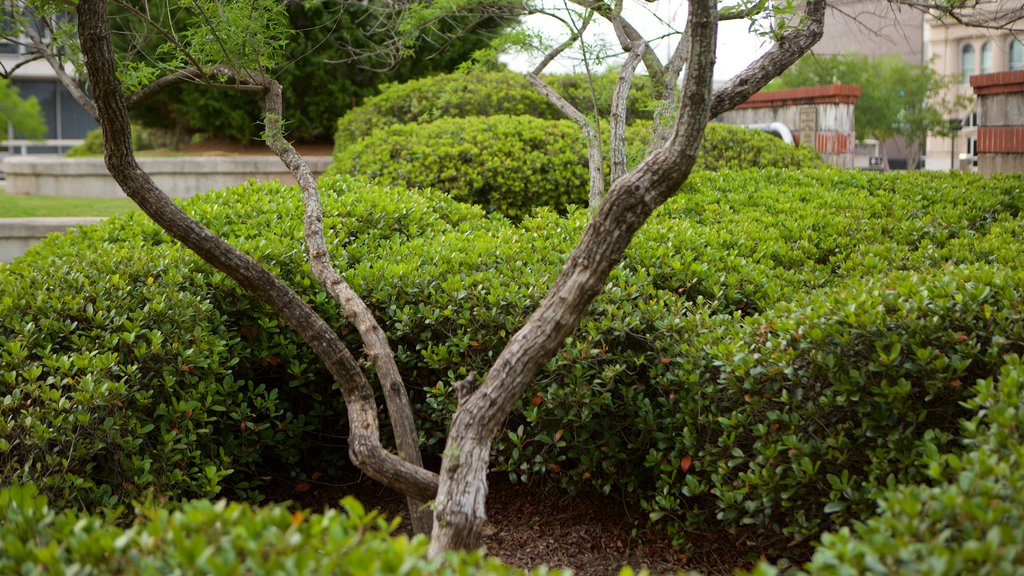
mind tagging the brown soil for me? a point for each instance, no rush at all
(530, 526)
(222, 147)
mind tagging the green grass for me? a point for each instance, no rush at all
(12, 206)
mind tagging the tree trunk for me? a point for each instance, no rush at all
(365, 448)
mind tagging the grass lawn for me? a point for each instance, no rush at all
(12, 206)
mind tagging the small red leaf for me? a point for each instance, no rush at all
(665, 360)
(537, 400)
(302, 487)
(685, 463)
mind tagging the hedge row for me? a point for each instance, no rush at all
(774, 351)
(515, 164)
(218, 538)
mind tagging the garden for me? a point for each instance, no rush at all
(782, 367)
(821, 366)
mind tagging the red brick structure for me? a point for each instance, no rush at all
(819, 116)
(1000, 121)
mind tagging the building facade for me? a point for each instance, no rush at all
(961, 52)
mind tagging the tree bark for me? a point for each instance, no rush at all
(358, 313)
(365, 448)
(459, 510)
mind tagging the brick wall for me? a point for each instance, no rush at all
(820, 116)
(1001, 121)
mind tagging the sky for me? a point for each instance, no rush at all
(736, 46)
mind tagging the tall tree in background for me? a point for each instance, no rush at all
(897, 98)
(317, 70)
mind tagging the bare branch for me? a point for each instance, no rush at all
(618, 111)
(594, 153)
(66, 80)
(576, 35)
(358, 313)
(9, 71)
(365, 448)
(777, 59)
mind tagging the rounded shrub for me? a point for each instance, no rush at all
(483, 93)
(506, 164)
(457, 95)
(967, 521)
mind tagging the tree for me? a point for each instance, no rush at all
(897, 98)
(225, 49)
(24, 115)
(314, 69)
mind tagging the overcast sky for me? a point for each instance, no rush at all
(736, 47)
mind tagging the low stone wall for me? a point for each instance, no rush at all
(17, 234)
(180, 177)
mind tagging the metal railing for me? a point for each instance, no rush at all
(15, 143)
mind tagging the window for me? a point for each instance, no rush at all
(966, 63)
(971, 120)
(986, 58)
(1016, 55)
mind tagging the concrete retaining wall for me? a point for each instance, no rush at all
(17, 234)
(180, 177)
(820, 116)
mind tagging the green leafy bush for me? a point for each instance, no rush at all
(142, 139)
(775, 350)
(205, 537)
(970, 521)
(482, 93)
(507, 164)
(514, 164)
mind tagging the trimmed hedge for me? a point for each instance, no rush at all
(515, 164)
(971, 521)
(507, 164)
(481, 93)
(774, 351)
(205, 537)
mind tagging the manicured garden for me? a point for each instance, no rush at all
(821, 367)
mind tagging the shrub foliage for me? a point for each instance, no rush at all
(218, 538)
(776, 350)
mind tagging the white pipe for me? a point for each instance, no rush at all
(777, 128)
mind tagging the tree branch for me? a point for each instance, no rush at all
(58, 68)
(358, 313)
(595, 156)
(365, 448)
(630, 201)
(776, 60)
(620, 96)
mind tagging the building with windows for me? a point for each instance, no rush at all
(66, 121)
(960, 51)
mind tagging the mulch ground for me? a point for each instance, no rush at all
(530, 526)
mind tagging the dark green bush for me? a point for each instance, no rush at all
(221, 538)
(507, 164)
(131, 366)
(481, 93)
(772, 348)
(970, 521)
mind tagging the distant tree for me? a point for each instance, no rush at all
(897, 98)
(23, 113)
